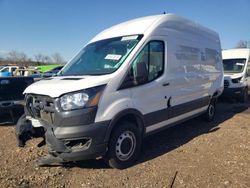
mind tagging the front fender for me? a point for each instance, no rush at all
(122, 114)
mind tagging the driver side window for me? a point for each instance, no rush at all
(153, 56)
(147, 66)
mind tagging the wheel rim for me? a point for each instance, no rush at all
(125, 145)
(211, 111)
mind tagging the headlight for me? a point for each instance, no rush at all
(74, 101)
(86, 98)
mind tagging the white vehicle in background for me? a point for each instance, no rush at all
(10, 69)
(131, 80)
(236, 64)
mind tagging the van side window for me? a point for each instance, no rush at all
(147, 66)
(153, 56)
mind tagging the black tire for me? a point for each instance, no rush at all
(211, 111)
(244, 96)
(126, 137)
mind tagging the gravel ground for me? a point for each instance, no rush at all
(192, 154)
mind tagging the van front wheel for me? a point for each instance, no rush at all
(210, 113)
(244, 96)
(124, 146)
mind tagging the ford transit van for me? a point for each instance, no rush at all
(131, 80)
(237, 73)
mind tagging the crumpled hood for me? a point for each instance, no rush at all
(232, 76)
(56, 86)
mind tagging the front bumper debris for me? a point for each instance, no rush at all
(70, 135)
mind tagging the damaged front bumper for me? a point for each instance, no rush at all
(70, 135)
(76, 143)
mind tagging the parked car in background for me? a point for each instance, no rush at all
(52, 72)
(131, 80)
(25, 72)
(236, 64)
(5, 74)
(11, 92)
(9, 69)
(34, 73)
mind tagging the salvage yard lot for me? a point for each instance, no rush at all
(200, 154)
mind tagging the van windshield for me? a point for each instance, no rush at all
(101, 57)
(234, 65)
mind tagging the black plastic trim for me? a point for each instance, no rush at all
(139, 117)
(57, 146)
(233, 92)
(174, 111)
(158, 116)
(77, 117)
(173, 124)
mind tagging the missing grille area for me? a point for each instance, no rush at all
(78, 144)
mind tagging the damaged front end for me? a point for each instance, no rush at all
(69, 135)
(25, 131)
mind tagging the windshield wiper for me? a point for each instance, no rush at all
(96, 74)
(91, 74)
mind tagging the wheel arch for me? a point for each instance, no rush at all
(131, 115)
(215, 95)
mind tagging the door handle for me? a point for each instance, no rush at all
(165, 84)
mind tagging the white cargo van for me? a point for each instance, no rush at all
(237, 73)
(131, 80)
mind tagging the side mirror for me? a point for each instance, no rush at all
(141, 76)
(128, 82)
(142, 73)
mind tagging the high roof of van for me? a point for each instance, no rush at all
(153, 25)
(236, 53)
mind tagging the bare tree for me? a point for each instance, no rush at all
(242, 44)
(57, 58)
(13, 56)
(39, 58)
(18, 57)
(47, 59)
(42, 59)
(23, 57)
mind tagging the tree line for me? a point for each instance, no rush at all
(243, 44)
(21, 59)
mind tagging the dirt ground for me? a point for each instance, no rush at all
(192, 154)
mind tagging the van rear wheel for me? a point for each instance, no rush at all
(124, 146)
(210, 113)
